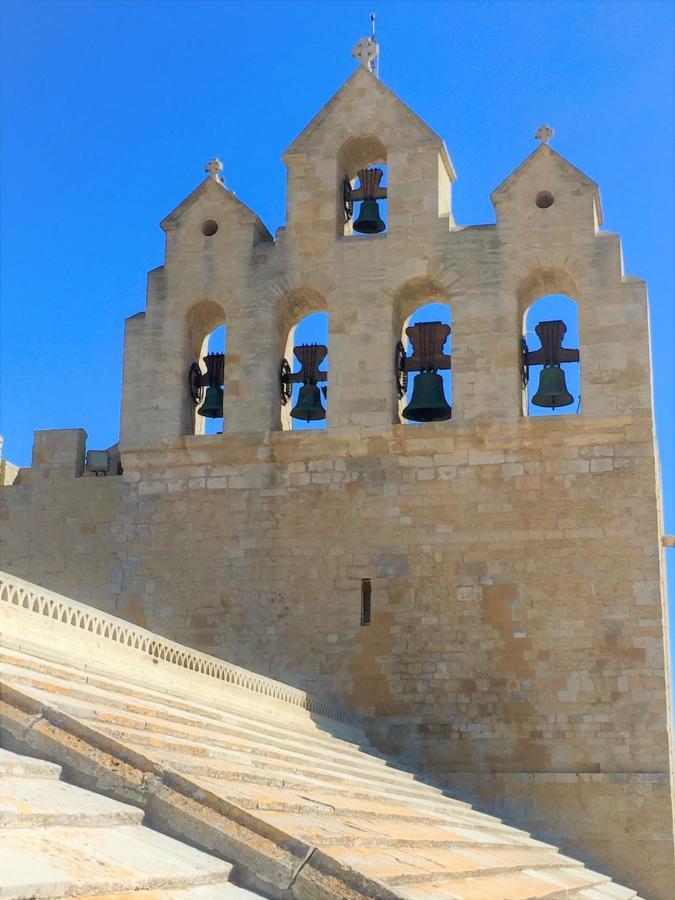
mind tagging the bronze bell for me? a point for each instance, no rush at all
(369, 221)
(428, 403)
(552, 391)
(309, 407)
(212, 407)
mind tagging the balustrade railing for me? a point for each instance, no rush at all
(27, 596)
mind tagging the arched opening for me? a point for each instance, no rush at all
(207, 339)
(362, 187)
(551, 369)
(425, 388)
(304, 398)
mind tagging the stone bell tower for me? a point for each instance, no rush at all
(483, 584)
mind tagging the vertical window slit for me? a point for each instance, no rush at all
(365, 601)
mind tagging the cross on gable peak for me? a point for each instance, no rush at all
(544, 133)
(214, 167)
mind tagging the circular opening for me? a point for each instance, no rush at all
(209, 227)
(544, 199)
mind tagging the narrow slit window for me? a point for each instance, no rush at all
(365, 601)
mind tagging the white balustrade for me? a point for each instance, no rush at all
(42, 602)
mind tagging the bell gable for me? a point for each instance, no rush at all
(546, 189)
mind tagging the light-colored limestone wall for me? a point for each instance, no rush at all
(517, 618)
(518, 604)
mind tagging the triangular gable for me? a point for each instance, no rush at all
(357, 79)
(543, 150)
(224, 195)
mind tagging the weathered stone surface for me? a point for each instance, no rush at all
(58, 840)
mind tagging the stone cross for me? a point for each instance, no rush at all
(366, 51)
(214, 167)
(544, 133)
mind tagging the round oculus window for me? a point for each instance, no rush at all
(544, 199)
(209, 227)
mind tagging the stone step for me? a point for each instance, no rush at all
(81, 703)
(331, 802)
(282, 775)
(346, 785)
(119, 693)
(373, 831)
(245, 752)
(38, 801)
(82, 861)
(14, 765)
(431, 797)
(220, 890)
(609, 891)
(404, 867)
(288, 716)
(528, 884)
(326, 803)
(165, 751)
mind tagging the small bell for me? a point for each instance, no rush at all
(369, 221)
(428, 403)
(309, 407)
(212, 407)
(552, 392)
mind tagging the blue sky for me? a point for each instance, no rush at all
(111, 109)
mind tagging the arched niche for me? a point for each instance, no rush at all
(549, 295)
(302, 319)
(421, 299)
(356, 153)
(206, 333)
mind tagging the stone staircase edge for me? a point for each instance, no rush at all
(139, 781)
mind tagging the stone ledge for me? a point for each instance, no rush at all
(269, 447)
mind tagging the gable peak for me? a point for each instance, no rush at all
(212, 185)
(364, 82)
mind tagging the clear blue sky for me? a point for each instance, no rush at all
(111, 109)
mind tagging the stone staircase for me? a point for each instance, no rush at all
(297, 800)
(57, 840)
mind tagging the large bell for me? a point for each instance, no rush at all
(212, 407)
(369, 221)
(428, 403)
(309, 407)
(552, 391)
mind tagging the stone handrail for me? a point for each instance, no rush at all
(25, 595)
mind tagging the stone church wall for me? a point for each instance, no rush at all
(515, 650)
